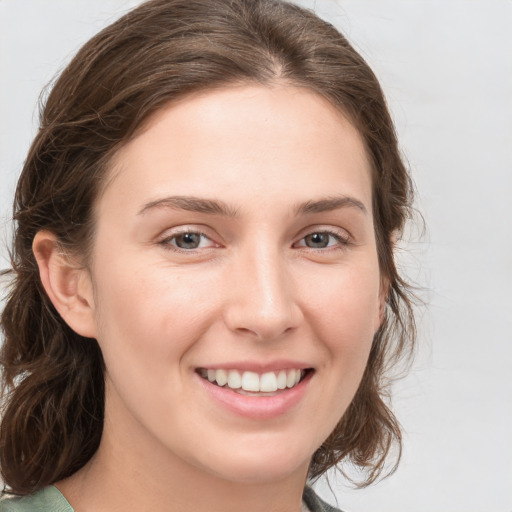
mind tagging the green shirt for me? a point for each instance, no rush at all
(50, 499)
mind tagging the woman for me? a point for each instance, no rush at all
(204, 300)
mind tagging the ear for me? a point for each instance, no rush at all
(67, 284)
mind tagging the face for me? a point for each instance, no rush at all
(236, 283)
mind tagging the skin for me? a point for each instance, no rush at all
(253, 290)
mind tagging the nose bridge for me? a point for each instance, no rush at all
(263, 301)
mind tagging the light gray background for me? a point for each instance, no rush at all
(446, 68)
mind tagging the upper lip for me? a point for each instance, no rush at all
(258, 367)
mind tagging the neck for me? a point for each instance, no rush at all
(122, 476)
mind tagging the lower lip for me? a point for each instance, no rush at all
(257, 407)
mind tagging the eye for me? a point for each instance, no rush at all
(322, 240)
(188, 241)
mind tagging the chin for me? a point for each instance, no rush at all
(261, 467)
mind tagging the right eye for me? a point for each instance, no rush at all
(187, 241)
(323, 239)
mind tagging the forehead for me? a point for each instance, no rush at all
(241, 141)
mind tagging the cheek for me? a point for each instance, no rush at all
(148, 318)
(345, 303)
(344, 315)
(148, 325)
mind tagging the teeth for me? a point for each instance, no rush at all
(251, 381)
(281, 380)
(221, 377)
(290, 379)
(268, 382)
(234, 379)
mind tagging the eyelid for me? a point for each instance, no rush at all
(342, 235)
(164, 240)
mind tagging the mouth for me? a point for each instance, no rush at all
(255, 384)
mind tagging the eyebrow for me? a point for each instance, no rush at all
(329, 204)
(216, 207)
(192, 204)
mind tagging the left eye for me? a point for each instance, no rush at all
(321, 240)
(188, 241)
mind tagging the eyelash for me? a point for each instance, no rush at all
(342, 240)
(167, 241)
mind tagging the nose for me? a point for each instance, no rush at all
(262, 300)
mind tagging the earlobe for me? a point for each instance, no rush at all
(67, 284)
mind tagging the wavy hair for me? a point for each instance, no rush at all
(53, 379)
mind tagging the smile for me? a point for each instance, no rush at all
(252, 382)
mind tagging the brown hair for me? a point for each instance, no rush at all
(53, 379)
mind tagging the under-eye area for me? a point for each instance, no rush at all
(255, 383)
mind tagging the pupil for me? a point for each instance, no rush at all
(317, 240)
(188, 240)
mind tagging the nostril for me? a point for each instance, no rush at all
(262, 324)
(265, 333)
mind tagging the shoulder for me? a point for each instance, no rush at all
(315, 503)
(48, 499)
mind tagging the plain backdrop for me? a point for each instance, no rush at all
(446, 68)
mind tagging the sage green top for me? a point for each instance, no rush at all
(50, 499)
